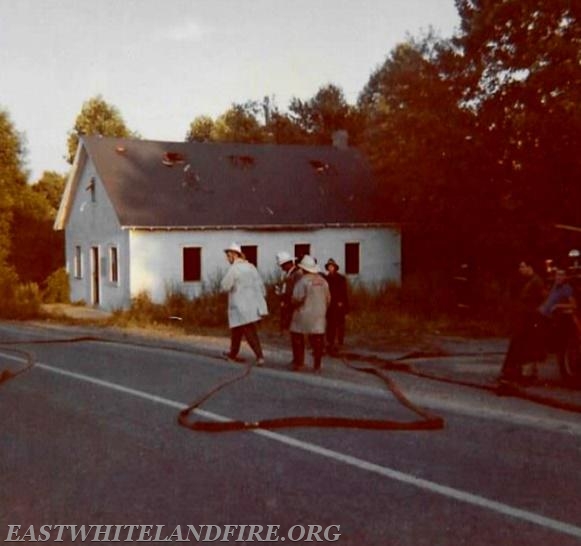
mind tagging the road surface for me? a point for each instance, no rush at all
(89, 436)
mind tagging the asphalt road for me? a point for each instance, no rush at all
(89, 436)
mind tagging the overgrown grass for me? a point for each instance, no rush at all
(17, 300)
(381, 316)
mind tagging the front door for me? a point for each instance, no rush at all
(95, 274)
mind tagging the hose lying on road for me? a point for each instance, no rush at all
(379, 368)
(428, 421)
(500, 389)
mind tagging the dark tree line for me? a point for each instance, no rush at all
(475, 139)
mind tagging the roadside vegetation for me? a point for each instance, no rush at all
(387, 316)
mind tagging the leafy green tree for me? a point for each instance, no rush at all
(328, 111)
(36, 249)
(51, 186)
(420, 142)
(523, 74)
(97, 117)
(282, 129)
(12, 182)
(239, 124)
(18, 300)
(201, 130)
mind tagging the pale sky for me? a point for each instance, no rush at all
(164, 62)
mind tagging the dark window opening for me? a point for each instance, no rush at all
(114, 265)
(91, 188)
(352, 258)
(78, 271)
(251, 253)
(192, 263)
(242, 161)
(321, 167)
(301, 249)
(171, 158)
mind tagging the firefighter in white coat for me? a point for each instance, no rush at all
(246, 303)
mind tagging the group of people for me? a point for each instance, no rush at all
(538, 314)
(313, 305)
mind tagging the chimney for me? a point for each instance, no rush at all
(341, 139)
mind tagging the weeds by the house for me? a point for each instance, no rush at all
(387, 315)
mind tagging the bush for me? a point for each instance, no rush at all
(23, 302)
(57, 288)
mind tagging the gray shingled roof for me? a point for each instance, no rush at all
(223, 184)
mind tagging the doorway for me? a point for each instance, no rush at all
(95, 274)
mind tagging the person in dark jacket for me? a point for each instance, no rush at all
(338, 308)
(526, 345)
(284, 289)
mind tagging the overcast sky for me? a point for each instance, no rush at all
(164, 62)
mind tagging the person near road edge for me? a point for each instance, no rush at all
(246, 303)
(558, 309)
(311, 298)
(338, 307)
(526, 347)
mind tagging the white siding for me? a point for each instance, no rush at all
(156, 256)
(95, 224)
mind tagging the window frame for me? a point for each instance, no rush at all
(196, 267)
(297, 250)
(352, 258)
(251, 253)
(78, 262)
(113, 264)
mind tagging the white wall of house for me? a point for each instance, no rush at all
(94, 225)
(157, 256)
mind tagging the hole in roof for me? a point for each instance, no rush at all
(242, 161)
(322, 167)
(171, 158)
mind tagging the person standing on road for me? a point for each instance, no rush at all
(526, 344)
(311, 298)
(246, 303)
(290, 275)
(335, 332)
(558, 308)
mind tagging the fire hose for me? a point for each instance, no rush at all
(375, 366)
(427, 420)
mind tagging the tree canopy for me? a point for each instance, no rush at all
(97, 117)
(12, 183)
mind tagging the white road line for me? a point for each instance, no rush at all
(355, 462)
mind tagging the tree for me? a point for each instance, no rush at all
(96, 118)
(51, 186)
(239, 124)
(12, 183)
(328, 111)
(420, 142)
(201, 130)
(36, 250)
(523, 74)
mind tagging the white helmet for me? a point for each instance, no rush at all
(283, 257)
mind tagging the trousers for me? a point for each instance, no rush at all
(250, 333)
(317, 342)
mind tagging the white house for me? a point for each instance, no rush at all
(155, 216)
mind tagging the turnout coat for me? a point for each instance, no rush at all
(311, 298)
(246, 293)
